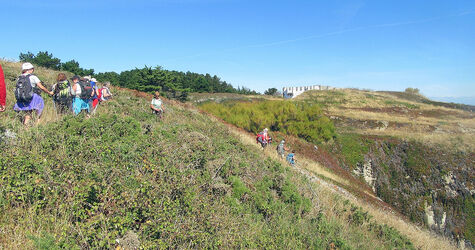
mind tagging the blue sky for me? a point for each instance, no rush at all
(378, 45)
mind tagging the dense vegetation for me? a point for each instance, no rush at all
(412, 176)
(172, 84)
(300, 119)
(181, 182)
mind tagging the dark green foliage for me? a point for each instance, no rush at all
(271, 91)
(469, 211)
(391, 235)
(300, 119)
(353, 148)
(42, 58)
(45, 59)
(73, 67)
(173, 84)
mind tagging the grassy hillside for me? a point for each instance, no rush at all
(122, 178)
(397, 114)
(415, 156)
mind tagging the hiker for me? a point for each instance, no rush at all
(82, 92)
(27, 93)
(291, 158)
(95, 99)
(157, 105)
(62, 94)
(3, 91)
(263, 138)
(105, 93)
(281, 149)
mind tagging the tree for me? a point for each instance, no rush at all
(270, 91)
(42, 58)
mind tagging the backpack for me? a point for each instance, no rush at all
(86, 89)
(260, 138)
(24, 90)
(62, 90)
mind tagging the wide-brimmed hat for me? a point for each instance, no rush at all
(93, 80)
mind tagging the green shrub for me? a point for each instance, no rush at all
(300, 119)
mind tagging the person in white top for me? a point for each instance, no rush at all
(35, 102)
(157, 105)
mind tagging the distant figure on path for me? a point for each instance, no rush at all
(27, 93)
(157, 105)
(263, 138)
(291, 158)
(3, 90)
(281, 149)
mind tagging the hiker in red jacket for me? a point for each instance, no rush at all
(3, 91)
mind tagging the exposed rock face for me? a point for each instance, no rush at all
(430, 185)
(366, 171)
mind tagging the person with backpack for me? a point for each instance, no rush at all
(25, 93)
(3, 90)
(105, 93)
(291, 158)
(81, 91)
(157, 105)
(95, 94)
(62, 94)
(281, 149)
(263, 138)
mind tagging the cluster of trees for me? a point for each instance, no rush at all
(300, 119)
(172, 84)
(47, 60)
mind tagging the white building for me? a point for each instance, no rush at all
(291, 92)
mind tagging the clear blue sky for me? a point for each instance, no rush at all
(379, 45)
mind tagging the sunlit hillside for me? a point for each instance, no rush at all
(125, 179)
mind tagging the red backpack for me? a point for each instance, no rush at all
(260, 138)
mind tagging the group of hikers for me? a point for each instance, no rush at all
(264, 139)
(74, 96)
(82, 93)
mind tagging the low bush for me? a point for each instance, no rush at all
(300, 119)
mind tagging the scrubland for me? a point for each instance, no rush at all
(124, 178)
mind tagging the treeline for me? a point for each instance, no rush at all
(300, 119)
(47, 60)
(172, 84)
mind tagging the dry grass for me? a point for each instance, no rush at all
(354, 110)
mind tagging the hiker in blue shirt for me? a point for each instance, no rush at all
(291, 158)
